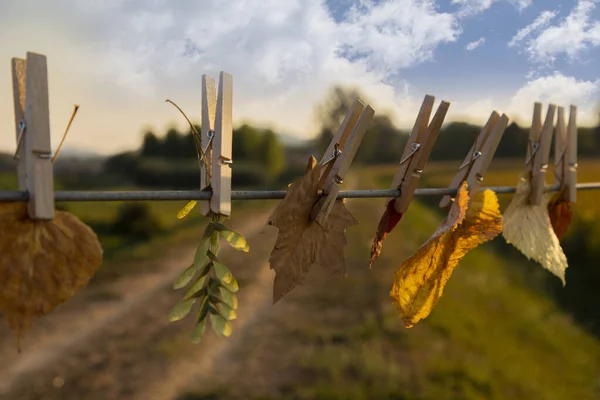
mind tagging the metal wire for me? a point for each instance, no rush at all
(172, 195)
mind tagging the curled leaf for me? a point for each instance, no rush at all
(560, 212)
(528, 228)
(234, 239)
(222, 272)
(181, 309)
(227, 312)
(302, 242)
(43, 263)
(420, 280)
(228, 298)
(186, 209)
(388, 221)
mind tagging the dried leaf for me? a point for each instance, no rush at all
(561, 213)
(302, 242)
(388, 221)
(528, 228)
(43, 263)
(420, 280)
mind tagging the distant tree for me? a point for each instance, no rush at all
(151, 146)
(273, 154)
(246, 144)
(173, 144)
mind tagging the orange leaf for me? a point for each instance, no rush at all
(302, 242)
(420, 280)
(561, 213)
(388, 221)
(43, 263)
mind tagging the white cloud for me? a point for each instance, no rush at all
(540, 22)
(121, 59)
(473, 7)
(575, 34)
(557, 89)
(473, 45)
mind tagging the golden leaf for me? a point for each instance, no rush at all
(388, 221)
(528, 228)
(420, 280)
(302, 242)
(43, 263)
(560, 212)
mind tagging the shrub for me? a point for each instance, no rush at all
(136, 221)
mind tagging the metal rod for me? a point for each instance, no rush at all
(170, 195)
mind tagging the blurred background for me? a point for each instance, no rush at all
(504, 329)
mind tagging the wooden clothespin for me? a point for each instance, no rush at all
(571, 161)
(417, 151)
(479, 157)
(216, 141)
(538, 151)
(340, 154)
(32, 119)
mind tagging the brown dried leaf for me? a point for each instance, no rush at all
(561, 213)
(528, 228)
(388, 221)
(420, 280)
(302, 242)
(43, 263)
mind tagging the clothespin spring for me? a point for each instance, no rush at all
(334, 154)
(20, 138)
(476, 155)
(534, 149)
(211, 135)
(414, 148)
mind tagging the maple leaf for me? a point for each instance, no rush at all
(528, 228)
(419, 281)
(388, 221)
(560, 212)
(302, 242)
(43, 263)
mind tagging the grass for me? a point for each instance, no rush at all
(490, 336)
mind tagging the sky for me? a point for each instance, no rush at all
(120, 59)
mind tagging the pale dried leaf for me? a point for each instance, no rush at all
(420, 280)
(43, 263)
(528, 228)
(301, 242)
(388, 221)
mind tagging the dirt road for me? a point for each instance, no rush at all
(115, 342)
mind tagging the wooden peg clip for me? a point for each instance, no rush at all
(417, 151)
(537, 160)
(561, 165)
(480, 156)
(32, 120)
(216, 141)
(339, 155)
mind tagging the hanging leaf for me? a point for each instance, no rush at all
(388, 221)
(195, 288)
(185, 277)
(220, 325)
(420, 280)
(232, 285)
(227, 312)
(528, 228)
(560, 212)
(186, 209)
(181, 309)
(301, 242)
(42, 263)
(234, 239)
(201, 253)
(228, 298)
(222, 272)
(198, 332)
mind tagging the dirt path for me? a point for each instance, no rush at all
(115, 348)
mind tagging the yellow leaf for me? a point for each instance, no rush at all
(420, 280)
(186, 209)
(528, 228)
(302, 242)
(43, 263)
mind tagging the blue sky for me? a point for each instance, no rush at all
(120, 59)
